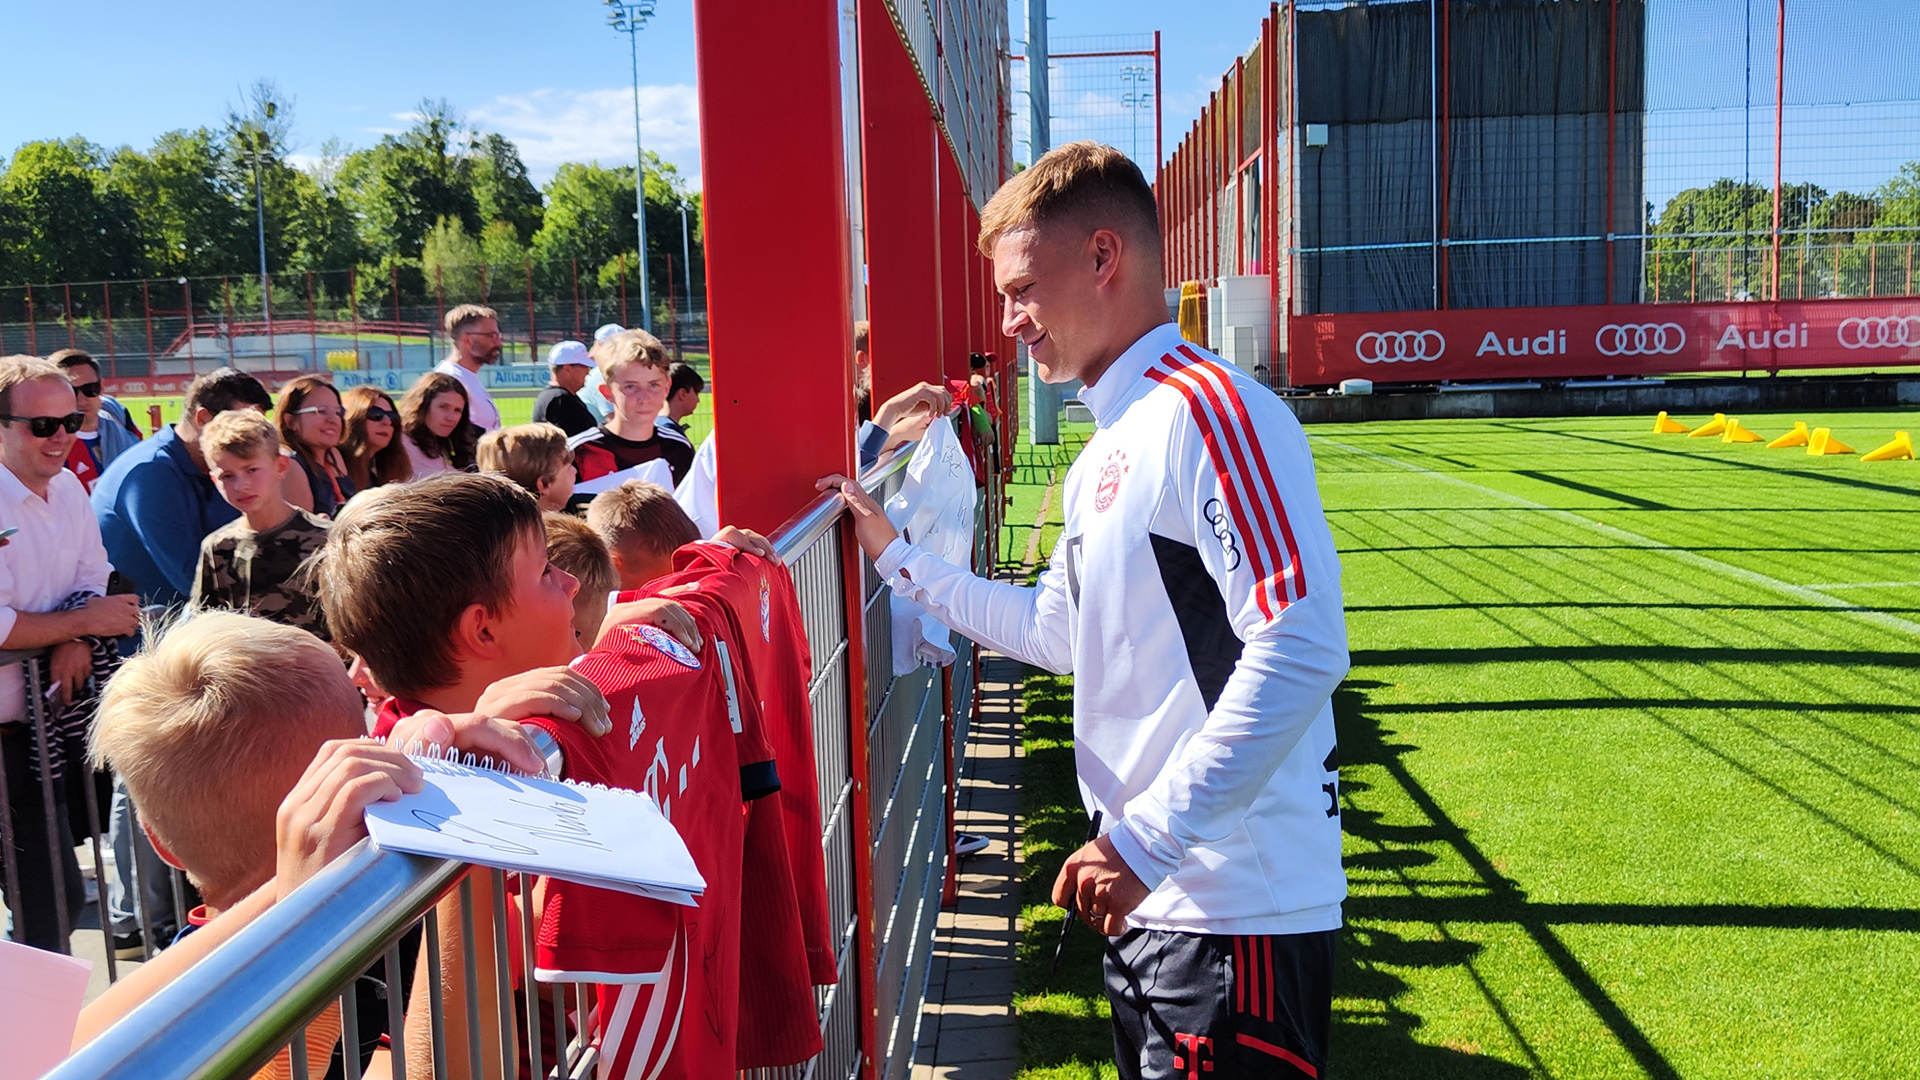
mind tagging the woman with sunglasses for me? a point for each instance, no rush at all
(99, 443)
(372, 443)
(311, 423)
(434, 427)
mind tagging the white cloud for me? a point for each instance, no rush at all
(552, 127)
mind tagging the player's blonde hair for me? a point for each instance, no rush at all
(628, 347)
(643, 515)
(1084, 182)
(242, 433)
(525, 453)
(211, 725)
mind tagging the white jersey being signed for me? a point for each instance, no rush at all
(1195, 597)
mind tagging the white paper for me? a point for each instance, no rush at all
(609, 838)
(656, 471)
(40, 998)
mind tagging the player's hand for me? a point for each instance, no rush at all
(746, 540)
(472, 733)
(932, 399)
(70, 664)
(325, 813)
(908, 428)
(557, 692)
(110, 616)
(654, 611)
(870, 524)
(1105, 887)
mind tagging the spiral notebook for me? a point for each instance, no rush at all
(608, 838)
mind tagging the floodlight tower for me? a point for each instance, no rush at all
(628, 17)
(260, 221)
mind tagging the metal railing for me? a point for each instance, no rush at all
(257, 993)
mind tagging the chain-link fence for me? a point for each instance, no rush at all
(337, 319)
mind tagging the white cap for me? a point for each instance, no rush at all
(608, 331)
(568, 352)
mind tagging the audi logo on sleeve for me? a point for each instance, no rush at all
(1640, 339)
(1395, 346)
(1884, 332)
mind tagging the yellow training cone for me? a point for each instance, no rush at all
(1712, 427)
(1663, 426)
(1822, 442)
(1796, 437)
(1736, 433)
(1900, 449)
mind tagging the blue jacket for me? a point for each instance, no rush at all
(117, 433)
(155, 506)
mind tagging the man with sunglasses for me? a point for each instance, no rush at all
(98, 443)
(54, 557)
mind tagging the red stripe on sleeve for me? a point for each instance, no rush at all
(1259, 456)
(1258, 547)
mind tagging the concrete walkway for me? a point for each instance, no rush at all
(967, 1027)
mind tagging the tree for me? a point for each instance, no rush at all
(588, 223)
(402, 187)
(501, 188)
(67, 225)
(189, 222)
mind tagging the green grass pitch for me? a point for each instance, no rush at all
(1630, 757)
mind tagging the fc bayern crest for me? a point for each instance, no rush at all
(669, 645)
(1109, 488)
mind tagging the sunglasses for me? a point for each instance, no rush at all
(321, 410)
(375, 412)
(43, 427)
(91, 389)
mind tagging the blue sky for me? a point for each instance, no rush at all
(552, 75)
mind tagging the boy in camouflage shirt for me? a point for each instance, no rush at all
(256, 564)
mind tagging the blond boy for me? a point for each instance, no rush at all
(254, 564)
(536, 457)
(643, 526)
(634, 367)
(573, 546)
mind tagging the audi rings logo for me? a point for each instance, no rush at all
(1885, 332)
(1394, 346)
(1640, 339)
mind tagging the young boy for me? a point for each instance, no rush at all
(536, 457)
(573, 546)
(229, 730)
(445, 586)
(643, 526)
(634, 366)
(254, 564)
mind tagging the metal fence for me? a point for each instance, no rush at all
(886, 795)
(316, 320)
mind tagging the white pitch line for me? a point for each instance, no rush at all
(1868, 585)
(1803, 593)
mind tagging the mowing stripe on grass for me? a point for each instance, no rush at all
(1752, 577)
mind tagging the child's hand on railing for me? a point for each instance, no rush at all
(325, 813)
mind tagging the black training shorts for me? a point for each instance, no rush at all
(1207, 1007)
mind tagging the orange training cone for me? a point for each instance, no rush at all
(1822, 442)
(1796, 437)
(1900, 449)
(1736, 433)
(1712, 427)
(1664, 426)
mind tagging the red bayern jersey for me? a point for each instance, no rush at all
(667, 975)
(778, 1023)
(759, 594)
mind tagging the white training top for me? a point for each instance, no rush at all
(1195, 597)
(480, 407)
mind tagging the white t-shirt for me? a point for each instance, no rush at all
(56, 553)
(480, 407)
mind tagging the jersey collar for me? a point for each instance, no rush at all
(1120, 384)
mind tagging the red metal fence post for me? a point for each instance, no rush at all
(313, 324)
(954, 204)
(900, 152)
(33, 336)
(146, 312)
(66, 289)
(106, 307)
(533, 334)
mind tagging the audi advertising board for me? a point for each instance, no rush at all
(1619, 339)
